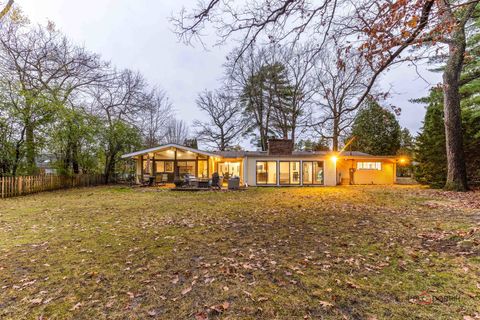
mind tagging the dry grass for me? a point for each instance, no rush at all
(311, 253)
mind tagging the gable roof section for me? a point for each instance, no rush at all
(166, 146)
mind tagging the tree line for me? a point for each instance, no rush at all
(61, 100)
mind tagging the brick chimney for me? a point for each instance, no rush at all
(280, 147)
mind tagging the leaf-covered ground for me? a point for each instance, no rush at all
(272, 253)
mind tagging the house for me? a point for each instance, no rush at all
(46, 164)
(279, 166)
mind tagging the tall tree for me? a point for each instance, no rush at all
(340, 80)
(430, 147)
(156, 117)
(376, 131)
(225, 123)
(177, 132)
(118, 103)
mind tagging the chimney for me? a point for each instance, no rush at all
(280, 147)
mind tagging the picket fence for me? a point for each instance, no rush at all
(23, 185)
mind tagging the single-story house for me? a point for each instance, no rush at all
(279, 166)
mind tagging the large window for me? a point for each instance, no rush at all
(312, 172)
(289, 172)
(369, 165)
(229, 169)
(164, 166)
(202, 168)
(186, 167)
(266, 172)
(147, 166)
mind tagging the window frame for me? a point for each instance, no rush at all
(370, 169)
(313, 173)
(266, 183)
(289, 173)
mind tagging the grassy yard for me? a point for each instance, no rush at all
(285, 253)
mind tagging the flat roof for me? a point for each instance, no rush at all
(243, 154)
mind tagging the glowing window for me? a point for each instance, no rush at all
(369, 165)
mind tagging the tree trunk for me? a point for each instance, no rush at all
(335, 133)
(456, 168)
(30, 149)
(75, 164)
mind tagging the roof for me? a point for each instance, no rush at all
(242, 153)
(45, 161)
(166, 146)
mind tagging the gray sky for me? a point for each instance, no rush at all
(137, 35)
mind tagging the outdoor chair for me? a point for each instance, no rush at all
(217, 181)
(161, 179)
(191, 180)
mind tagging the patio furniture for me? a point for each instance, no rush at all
(191, 180)
(234, 183)
(217, 181)
(161, 179)
(204, 183)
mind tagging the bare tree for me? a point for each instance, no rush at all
(156, 118)
(339, 83)
(177, 132)
(225, 123)
(118, 103)
(299, 66)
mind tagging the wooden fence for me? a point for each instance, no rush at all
(22, 185)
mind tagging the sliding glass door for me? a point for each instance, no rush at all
(289, 172)
(312, 173)
(266, 172)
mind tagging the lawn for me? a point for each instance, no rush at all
(271, 253)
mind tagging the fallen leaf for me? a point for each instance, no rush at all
(152, 313)
(175, 280)
(352, 285)
(326, 304)
(226, 305)
(201, 316)
(76, 307)
(186, 290)
(36, 301)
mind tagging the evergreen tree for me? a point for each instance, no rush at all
(431, 151)
(267, 101)
(376, 131)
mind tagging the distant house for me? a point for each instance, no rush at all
(279, 166)
(45, 163)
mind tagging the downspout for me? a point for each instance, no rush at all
(245, 171)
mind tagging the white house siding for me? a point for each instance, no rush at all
(385, 176)
(329, 174)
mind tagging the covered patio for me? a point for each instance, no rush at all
(169, 162)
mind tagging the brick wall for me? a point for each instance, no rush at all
(280, 147)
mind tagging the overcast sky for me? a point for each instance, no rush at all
(137, 35)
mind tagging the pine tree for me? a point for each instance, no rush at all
(376, 131)
(431, 151)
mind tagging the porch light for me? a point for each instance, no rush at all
(334, 159)
(402, 160)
